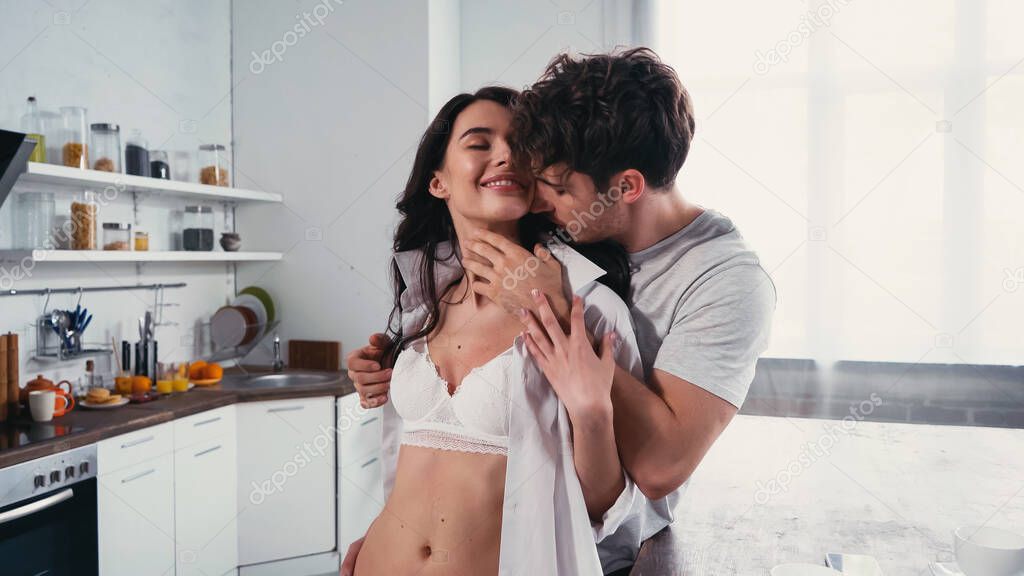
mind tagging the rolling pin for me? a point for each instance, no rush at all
(3, 378)
(13, 383)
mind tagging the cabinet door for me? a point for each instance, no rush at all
(286, 484)
(361, 498)
(135, 509)
(205, 507)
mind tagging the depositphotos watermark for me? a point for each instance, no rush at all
(810, 22)
(306, 22)
(814, 451)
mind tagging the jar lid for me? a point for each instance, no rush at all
(199, 209)
(117, 226)
(212, 147)
(106, 127)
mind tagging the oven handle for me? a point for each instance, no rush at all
(36, 506)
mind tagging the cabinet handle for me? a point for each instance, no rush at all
(137, 476)
(207, 451)
(137, 442)
(368, 462)
(285, 409)
(368, 420)
(204, 422)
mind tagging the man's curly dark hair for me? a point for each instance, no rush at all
(604, 113)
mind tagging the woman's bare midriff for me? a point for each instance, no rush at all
(443, 516)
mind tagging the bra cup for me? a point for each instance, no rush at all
(481, 402)
(415, 392)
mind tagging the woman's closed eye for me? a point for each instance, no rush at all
(479, 146)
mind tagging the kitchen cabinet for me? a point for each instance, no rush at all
(360, 486)
(286, 479)
(205, 489)
(135, 516)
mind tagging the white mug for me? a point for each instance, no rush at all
(42, 404)
(984, 551)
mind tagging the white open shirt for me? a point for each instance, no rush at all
(545, 527)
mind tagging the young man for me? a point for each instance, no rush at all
(606, 136)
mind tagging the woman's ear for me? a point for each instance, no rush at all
(438, 188)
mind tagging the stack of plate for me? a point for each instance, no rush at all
(244, 321)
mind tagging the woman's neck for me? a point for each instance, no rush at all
(465, 232)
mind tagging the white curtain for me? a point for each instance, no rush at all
(873, 154)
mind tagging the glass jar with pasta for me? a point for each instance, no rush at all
(84, 213)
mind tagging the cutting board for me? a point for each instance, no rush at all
(314, 355)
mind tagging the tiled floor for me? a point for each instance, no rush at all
(918, 393)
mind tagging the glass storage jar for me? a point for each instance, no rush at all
(117, 236)
(197, 229)
(84, 211)
(74, 150)
(106, 147)
(158, 165)
(141, 241)
(136, 155)
(34, 220)
(213, 161)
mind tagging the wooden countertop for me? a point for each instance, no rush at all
(775, 490)
(97, 425)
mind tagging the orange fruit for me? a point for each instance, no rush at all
(141, 384)
(213, 372)
(195, 370)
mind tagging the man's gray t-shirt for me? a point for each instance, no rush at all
(702, 307)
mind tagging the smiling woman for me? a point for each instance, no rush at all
(472, 419)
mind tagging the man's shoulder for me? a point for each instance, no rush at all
(701, 251)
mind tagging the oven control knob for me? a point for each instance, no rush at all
(39, 481)
(83, 468)
(54, 476)
(69, 473)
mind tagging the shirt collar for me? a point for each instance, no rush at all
(576, 268)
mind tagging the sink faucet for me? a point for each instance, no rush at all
(278, 363)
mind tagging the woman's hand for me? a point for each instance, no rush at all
(581, 378)
(511, 273)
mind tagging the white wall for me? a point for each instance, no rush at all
(331, 125)
(510, 43)
(162, 66)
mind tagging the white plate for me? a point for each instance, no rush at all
(802, 569)
(105, 406)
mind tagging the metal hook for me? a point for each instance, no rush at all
(80, 292)
(46, 303)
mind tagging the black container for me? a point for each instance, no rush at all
(136, 155)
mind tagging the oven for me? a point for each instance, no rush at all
(48, 516)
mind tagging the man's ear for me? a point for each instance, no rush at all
(438, 189)
(631, 185)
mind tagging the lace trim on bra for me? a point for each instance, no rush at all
(448, 441)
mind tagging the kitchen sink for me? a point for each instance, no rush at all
(279, 380)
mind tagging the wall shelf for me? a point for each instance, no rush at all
(76, 179)
(41, 256)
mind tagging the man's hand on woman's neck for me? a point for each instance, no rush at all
(465, 234)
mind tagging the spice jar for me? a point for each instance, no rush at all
(32, 125)
(141, 241)
(136, 155)
(213, 159)
(197, 229)
(158, 165)
(117, 236)
(74, 150)
(83, 221)
(106, 147)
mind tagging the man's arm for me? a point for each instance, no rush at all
(663, 432)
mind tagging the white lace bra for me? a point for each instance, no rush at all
(473, 419)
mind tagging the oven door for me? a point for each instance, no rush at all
(51, 534)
